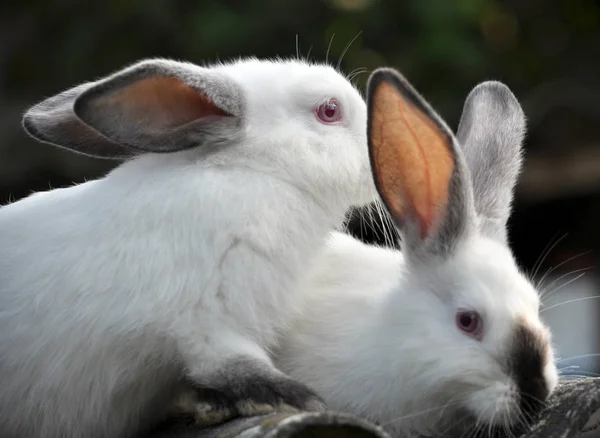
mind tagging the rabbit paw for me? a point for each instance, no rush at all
(244, 389)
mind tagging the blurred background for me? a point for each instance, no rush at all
(546, 51)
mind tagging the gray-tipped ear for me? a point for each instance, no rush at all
(418, 169)
(152, 106)
(53, 121)
(491, 132)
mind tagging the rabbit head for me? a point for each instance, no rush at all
(302, 123)
(464, 318)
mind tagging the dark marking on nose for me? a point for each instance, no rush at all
(527, 360)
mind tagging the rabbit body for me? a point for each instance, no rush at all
(444, 336)
(173, 263)
(374, 340)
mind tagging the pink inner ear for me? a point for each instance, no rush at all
(412, 159)
(164, 102)
(425, 206)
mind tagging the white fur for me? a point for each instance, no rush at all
(378, 339)
(110, 289)
(377, 334)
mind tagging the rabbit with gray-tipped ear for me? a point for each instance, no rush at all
(178, 265)
(447, 332)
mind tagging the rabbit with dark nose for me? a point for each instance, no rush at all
(447, 333)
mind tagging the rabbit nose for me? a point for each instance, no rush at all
(528, 356)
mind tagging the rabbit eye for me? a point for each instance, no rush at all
(470, 323)
(329, 112)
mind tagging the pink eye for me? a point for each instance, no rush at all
(469, 322)
(329, 112)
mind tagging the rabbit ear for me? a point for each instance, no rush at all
(53, 121)
(491, 132)
(418, 170)
(153, 106)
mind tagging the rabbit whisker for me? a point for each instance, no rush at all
(495, 413)
(449, 401)
(308, 54)
(388, 228)
(506, 422)
(523, 420)
(423, 412)
(551, 270)
(547, 291)
(363, 226)
(374, 224)
(573, 300)
(375, 221)
(328, 49)
(457, 423)
(583, 376)
(479, 425)
(545, 252)
(357, 72)
(346, 49)
(581, 356)
(534, 398)
(479, 420)
(570, 367)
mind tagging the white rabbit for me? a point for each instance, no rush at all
(446, 332)
(181, 261)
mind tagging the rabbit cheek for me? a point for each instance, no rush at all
(527, 365)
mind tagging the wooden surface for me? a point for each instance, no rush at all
(573, 411)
